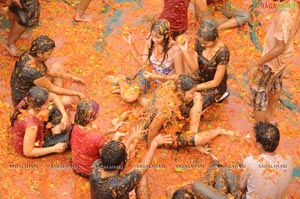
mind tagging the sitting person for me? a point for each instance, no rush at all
(268, 174)
(219, 182)
(86, 139)
(161, 52)
(234, 16)
(27, 125)
(182, 194)
(30, 70)
(210, 61)
(171, 102)
(105, 179)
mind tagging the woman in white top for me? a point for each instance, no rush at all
(161, 60)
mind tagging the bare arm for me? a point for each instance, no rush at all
(158, 140)
(45, 83)
(30, 150)
(61, 108)
(55, 71)
(141, 59)
(280, 46)
(221, 69)
(190, 58)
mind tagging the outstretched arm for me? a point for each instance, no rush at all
(29, 148)
(45, 83)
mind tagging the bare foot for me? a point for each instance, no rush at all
(124, 115)
(115, 79)
(12, 50)
(204, 149)
(230, 133)
(117, 91)
(83, 18)
(25, 35)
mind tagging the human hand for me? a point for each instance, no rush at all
(80, 95)
(147, 75)
(59, 147)
(79, 80)
(162, 139)
(64, 121)
(128, 38)
(118, 135)
(182, 43)
(137, 132)
(118, 125)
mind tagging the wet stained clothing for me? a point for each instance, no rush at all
(24, 74)
(169, 105)
(85, 145)
(266, 176)
(206, 72)
(43, 138)
(265, 82)
(176, 12)
(218, 182)
(29, 14)
(167, 66)
(114, 187)
(19, 127)
(282, 29)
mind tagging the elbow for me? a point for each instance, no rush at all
(28, 154)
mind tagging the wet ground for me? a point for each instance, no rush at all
(95, 50)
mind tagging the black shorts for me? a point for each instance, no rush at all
(29, 15)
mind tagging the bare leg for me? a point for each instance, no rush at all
(80, 16)
(128, 93)
(273, 101)
(13, 36)
(195, 112)
(142, 189)
(12, 20)
(206, 136)
(231, 23)
(260, 116)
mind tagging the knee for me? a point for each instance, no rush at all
(66, 100)
(243, 18)
(198, 98)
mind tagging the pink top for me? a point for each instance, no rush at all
(85, 146)
(19, 128)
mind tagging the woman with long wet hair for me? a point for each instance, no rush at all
(161, 60)
(209, 61)
(28, 125)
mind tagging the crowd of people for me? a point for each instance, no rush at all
(182, 83)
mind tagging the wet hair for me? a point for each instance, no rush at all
(182, 194)
(113, 156)
(208, 30)
(185, 82)
(267, 135)
(162, 27)
(86, 112)
(41, 44)
(35, 98)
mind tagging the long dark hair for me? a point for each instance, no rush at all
(161, 27)
(36, 97)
